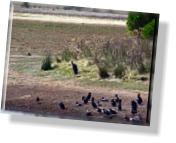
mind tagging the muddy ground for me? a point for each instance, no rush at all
(22, 94)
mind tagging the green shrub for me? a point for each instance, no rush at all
(86, 52)
(141, 68)
(119, 71)
(137, 20)
(103, 73)
(144, 67)
(58, 60)
(148, 30)
(67, 55)
(46, 63)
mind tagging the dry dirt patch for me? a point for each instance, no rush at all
(21, 96)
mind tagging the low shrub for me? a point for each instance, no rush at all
(86, 52)
(119, 71)
(58, 59)
(67, 55)
(103, 72)
(144, 67)
(46, 63)
(141, 68)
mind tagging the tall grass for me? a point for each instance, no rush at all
(67, 55)
(119, 71)
(117, 55)
(46, 63)
(103, 72)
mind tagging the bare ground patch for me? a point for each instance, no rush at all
(21, 96)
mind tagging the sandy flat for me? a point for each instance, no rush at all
(68, 19)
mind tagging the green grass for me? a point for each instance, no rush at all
(130, 85)
(28, 65)
(88, 74)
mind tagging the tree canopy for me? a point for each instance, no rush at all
(144, 21)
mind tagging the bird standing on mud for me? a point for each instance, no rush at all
(117, 98)
(120, 104)
(88, 113)
(87, 98)
(139, 99)
(38, 100)
(62, 106)
(113, 102)
(134, 107)
(94, 105)
(74, 67)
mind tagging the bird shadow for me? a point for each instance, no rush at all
(154, 127)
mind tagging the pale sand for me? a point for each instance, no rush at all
(68, 19)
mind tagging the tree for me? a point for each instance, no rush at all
(148, 30)
(144, 21)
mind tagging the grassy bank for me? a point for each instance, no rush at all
(63, 71)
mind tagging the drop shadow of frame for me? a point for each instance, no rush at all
(156, 110)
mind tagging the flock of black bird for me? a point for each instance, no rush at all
(115, 103)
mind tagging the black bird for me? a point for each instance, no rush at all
(85, 100)
(37, 99)
(62, 106)
(104, 99)
(88, 113)
(83, 97)
(74, 67)
(133, 107)
(106, 112)
(29, 54)
(139, 99)
(126, 118)
(92, 99)
(113, 102)
(112, 111)
(120, 104)
(94, 105)
(143, 78)
(99, 110)
(117, 98)
(89, 96)
(78, 104)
